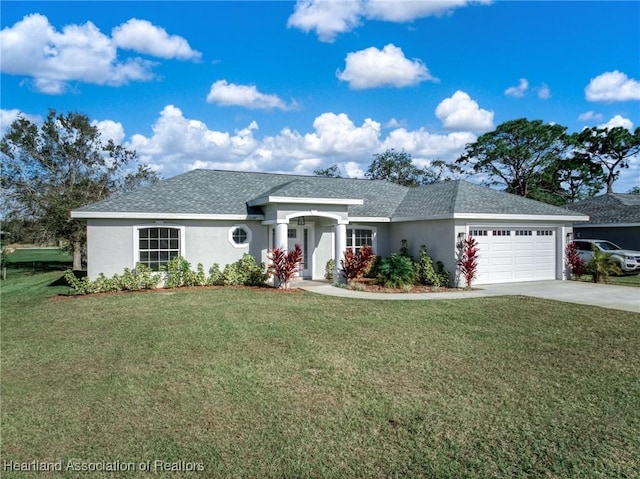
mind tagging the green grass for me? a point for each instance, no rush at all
(627, 280)
(261, 383)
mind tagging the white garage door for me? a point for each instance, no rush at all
(515, 254)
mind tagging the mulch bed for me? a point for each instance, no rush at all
(370, 286)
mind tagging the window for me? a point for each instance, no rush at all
(479, 232)
(583, 246)
(524, 233)
(359, 237)
(156, 246)
(239, 236)
(544, 232)
(501, 233)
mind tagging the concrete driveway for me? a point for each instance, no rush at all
(625, 298)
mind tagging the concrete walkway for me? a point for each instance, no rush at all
(625, 298)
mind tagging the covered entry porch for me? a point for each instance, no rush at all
(322, 236)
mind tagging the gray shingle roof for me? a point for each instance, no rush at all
(610, 208)
(229, 192)
(302, 189)
(449, 197)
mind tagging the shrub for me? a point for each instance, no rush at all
(602, 265)
(425, 272)
(215, 275)
(468, 259)
(80, 285)
(396, 271)
(355, 265)
(141, 277)
(284, 264)
(253, 274)
(177, 271)
(329, 269)
(443, 275)
(246, 271)
(574, 263)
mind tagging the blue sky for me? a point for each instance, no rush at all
(294, 86)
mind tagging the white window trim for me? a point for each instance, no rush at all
(240, 245)
(374, 234)
(136, 239)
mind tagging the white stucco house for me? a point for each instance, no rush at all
(213, 216)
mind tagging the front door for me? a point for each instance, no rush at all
(301, 236)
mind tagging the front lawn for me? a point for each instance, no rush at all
(263, 383)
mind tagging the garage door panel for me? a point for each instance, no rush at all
(524, 260)
(508, 254)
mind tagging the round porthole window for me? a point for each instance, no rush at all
(240, 236)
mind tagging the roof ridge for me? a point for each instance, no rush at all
(454, 196)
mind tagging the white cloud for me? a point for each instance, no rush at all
(407, 11)
(110, 130)
(33, 48)
(590, 116)
(618, 120)
(612, 86)
(337, 134)
(329, 18)
(144, 37)
(248, 96)
(372, 68)
(543, 91)
(518, 91)
(178, 144)
(424, 145)
(460, 112)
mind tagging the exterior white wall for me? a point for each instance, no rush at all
(109, 247)
(439, 236)
(111, 243)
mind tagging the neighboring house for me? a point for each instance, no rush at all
(211, 216)
(612, 216)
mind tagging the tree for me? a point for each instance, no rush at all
(332, 172)
(567, 180)
(397, 167)
(517, 154)
(634, 191)
(62, 165)
(610, 148)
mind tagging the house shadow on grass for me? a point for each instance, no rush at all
(62, 281)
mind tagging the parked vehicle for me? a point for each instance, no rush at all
(628, 260)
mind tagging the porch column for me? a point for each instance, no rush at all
(340, 246)
(281, 235)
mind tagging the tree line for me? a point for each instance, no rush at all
(63, 164)
(528, 158)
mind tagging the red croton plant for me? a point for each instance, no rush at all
(468, 259)
(355, 265)
(284, 265)
(574, 262)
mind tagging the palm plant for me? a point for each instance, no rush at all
(602, 265)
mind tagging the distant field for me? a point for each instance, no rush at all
(38, 260)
